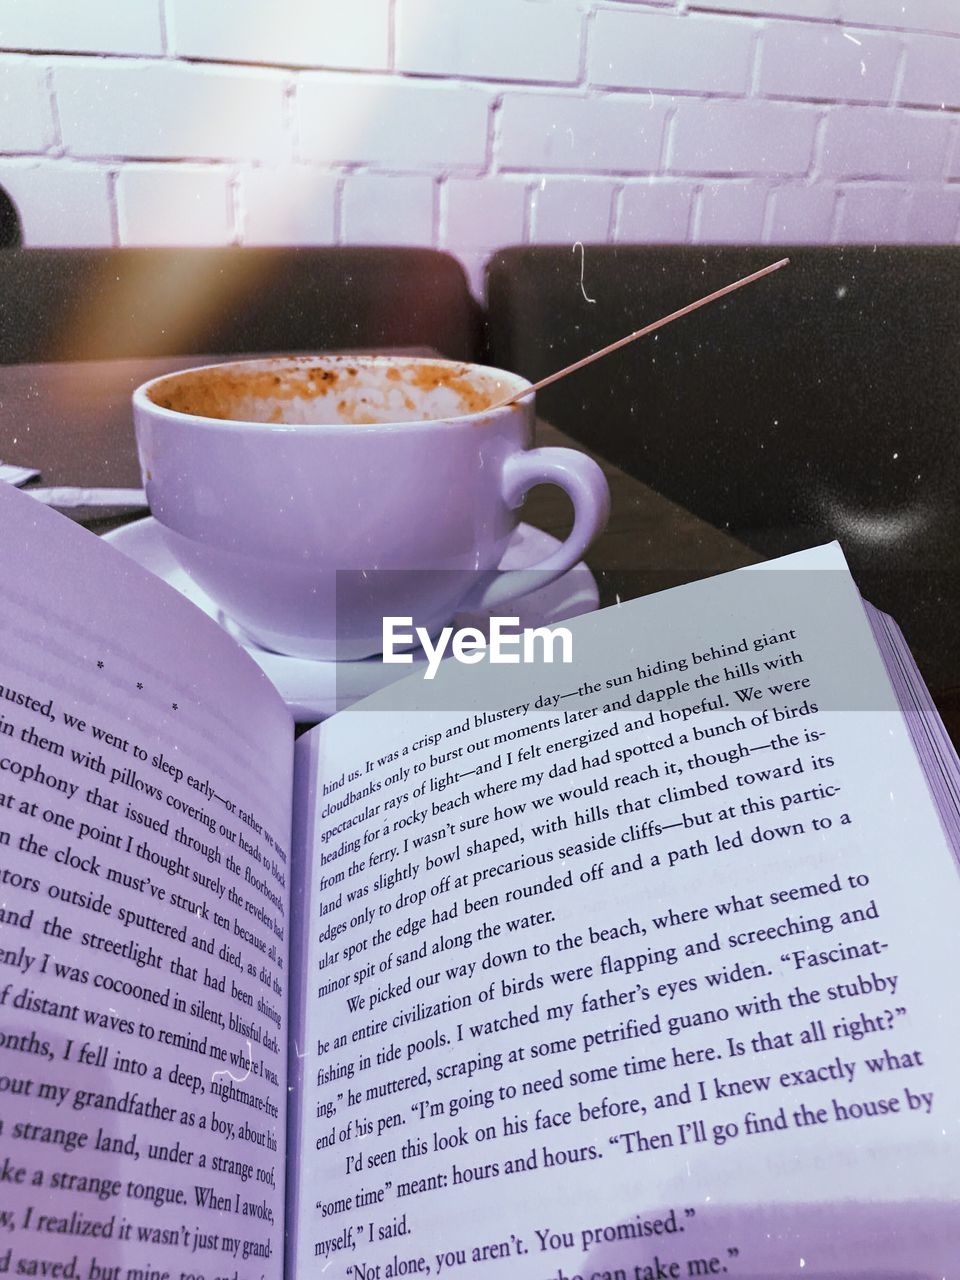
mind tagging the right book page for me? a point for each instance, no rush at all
(640, 966)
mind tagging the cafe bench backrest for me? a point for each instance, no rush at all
(822, 402)
(831, 385)
(77, 304)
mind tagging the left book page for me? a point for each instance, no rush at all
(145, 780)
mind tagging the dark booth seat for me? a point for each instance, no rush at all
(822, 402)
(94, 304)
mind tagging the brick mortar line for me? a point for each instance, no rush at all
(165, 25)
(696, 175)
(616, 214)
(695, 216)
(388, 73)
(942, 109)
(879, 104)
(45, 154)
(811, 21)
(118, 210)
(30, 158)
(666, 140)
(500, 82)
(586, 38)
(94, 54)
(443, 213)
(349, 168)
(899, 72)
(236, 208)
(290, 116)
(837, 215)
(756, 57)
(613, 213)
(621, 179)
(493, 140)
(766, 222)
(589, 91)
(338, 210)
(97, 62)
(953, 153)
(164, 162)
(604, 93)
(113, 206)
(596, 91)
(526, 228)
(817, 150)
(56, 147)
(902, 216)
(435, 186)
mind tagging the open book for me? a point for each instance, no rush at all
(638, 967)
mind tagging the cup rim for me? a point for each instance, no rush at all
(142, 399)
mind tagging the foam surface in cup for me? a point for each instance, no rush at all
(330, 390)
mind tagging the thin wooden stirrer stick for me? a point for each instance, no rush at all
(640, 333)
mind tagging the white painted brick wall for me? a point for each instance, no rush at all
(953, 166)
(655, 211)
(291, 205)
(170, 110)
(729, 137)
(816, 61)
(382, 208)
(159, 205)
(526, 40)
(931, 74)
(281, 33)
(630, 49)
(469, 126)
(393, 123)
(478, 212)
(872, 143)
(731, 213)
(60, 205)
(570, 133)
(871, 213)
(26, 110)
(570, 209)
(802, 213)
(93, 26)
(932, 213)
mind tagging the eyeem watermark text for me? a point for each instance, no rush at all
(506, 643)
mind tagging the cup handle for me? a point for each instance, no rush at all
(581, 478)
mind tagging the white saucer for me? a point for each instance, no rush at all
(313, 689)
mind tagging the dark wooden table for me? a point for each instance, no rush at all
(73, 422)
